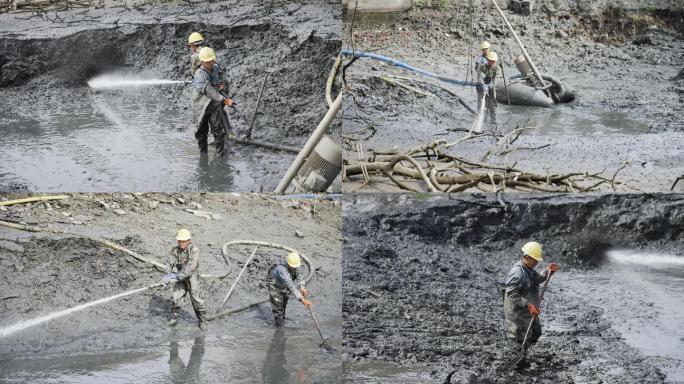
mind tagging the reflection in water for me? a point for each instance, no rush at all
(214, 175)
(273, 370)
(180, 373)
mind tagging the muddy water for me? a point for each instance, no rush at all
(256, 355)
(117, 140)
(372, 372)
(640, 294)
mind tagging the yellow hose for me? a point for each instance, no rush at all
(32, 199)
(331, 80)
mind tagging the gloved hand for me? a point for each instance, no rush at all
(221, 86)
(306, 303)
(533, 309)
(553, 267)
(304, 291)
(227, 102)
(484, 88)
(170, 277)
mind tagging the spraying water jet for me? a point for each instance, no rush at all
(7, 331)
(109, 81)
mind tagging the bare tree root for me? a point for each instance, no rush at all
(440, 171)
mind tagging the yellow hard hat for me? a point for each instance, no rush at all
(485, 45)
(183, 235)
(293, 260)
(195, 37)
(206, 54)
(533, 250)
(491, 55)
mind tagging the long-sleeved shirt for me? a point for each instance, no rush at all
(206, 82)
(283, 278)
(522, 285)
(184, 263)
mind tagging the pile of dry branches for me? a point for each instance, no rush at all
(441, 171)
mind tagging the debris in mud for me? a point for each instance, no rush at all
(442, 171)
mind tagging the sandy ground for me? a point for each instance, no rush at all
(52, 272)
(422, 276)
(624, 60)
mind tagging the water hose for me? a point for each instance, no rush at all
(159, 266)
(306, 260)
(32, 200)
(397, 63)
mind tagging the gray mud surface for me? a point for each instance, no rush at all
(127, 340)
(625, 59)
(142, 138)
(421, 279)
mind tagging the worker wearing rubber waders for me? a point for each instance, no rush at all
(208, 102)
(486, 80)
(521, 296)
(196, 42)
(281, 282)
(183, 271)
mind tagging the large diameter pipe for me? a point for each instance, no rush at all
(315, 137)
(536, 72)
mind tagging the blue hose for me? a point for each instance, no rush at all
(397, 63)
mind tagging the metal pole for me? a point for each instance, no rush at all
(230, 291)
(522, 47)
(315, 137)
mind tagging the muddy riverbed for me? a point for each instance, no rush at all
(422, 274)
(127, 339)
(625, 62)
(142, 137)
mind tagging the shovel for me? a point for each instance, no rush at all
(520, 356)
(325, 342)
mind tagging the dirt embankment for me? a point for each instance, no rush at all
(422, 277)
(47, 272)
(625, 61)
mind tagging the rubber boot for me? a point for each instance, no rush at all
(203, 145)
(279, 322)
(174, 319)
(221, 147)
(201, 321)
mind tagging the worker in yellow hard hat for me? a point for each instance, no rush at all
(183, 272)
(209, 98)
(486, 79)
(281, 282)
(195, 42)
(521, 295)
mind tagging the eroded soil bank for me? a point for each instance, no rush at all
(625, 60)
(421, 279)
(127, 340)
(141, 138)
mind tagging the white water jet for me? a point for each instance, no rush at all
(42, 319)
(120, 81)
(628, 256)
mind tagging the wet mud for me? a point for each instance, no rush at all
(142, 138)
(127, 339)
(624, 60)
(422, 277)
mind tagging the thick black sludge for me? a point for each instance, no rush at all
(422, 277)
